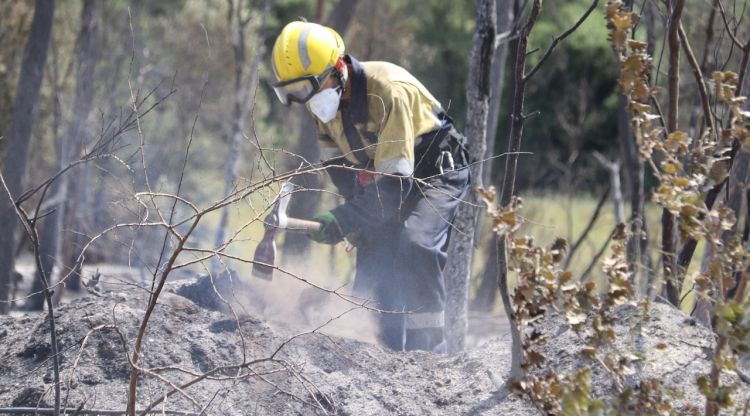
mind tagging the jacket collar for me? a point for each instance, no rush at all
(358, 102)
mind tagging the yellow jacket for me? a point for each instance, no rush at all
(389, 109)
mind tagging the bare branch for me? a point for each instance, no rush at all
(78, 411)
(31, 232)
(559, 38)
(731, 32)
(597, 256)
(585, 233)
(702, 90)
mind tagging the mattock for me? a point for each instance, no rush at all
(265, 254)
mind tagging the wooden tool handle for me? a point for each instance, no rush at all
(301, 226)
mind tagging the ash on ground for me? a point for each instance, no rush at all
(246, 365)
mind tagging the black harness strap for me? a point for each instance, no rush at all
(353, 138)
(356, 111)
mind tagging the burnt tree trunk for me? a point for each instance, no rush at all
(52, 234)
(487, 291)
(19, 140)
(48, 225)
(244, 92)
(634, 174)
(461, 248)
(672, 287)
(509, 179)
(697, 114)
(646, 272)
(520, 80)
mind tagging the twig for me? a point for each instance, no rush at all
(78, 359)
(729, 31)
(31, 231)
(584, 276)
(74, 410)
(589, 226)
(505, 37)
(149, 310)
(698, 79)
(182, 176)
(97, 150)
(559, 38)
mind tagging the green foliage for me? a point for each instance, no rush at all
(544, 289)
(575, 94)
(442, 41)
(682, 191)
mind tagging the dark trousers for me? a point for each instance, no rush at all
(400, 264)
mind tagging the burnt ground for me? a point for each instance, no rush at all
(263, 366)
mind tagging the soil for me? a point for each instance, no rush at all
(265, 366)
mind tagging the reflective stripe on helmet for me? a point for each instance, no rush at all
(304, 56)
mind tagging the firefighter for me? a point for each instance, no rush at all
(400, 165)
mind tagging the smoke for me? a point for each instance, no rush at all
(299, 305)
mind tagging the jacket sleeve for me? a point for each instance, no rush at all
(335, 164)
(394, 158)
(375, 204)
(344, 179)
(394, 153)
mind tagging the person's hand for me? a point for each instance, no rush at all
(354, 240)
(330, 230)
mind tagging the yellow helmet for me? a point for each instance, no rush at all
(303, 56)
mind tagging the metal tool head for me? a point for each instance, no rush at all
(265, 253)
(285, 195)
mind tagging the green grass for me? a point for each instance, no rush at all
(549, 216)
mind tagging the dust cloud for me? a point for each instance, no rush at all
(288, 299)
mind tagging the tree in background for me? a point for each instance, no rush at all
(17, 151)
(70, 145)
(582, 76)
(573, 104)
(244, 99)
(461, 248)
(486, 295)
(15, 20)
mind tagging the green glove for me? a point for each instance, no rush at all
(330, 230)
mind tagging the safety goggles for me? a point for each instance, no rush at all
(300, 89)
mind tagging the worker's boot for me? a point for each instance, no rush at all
(425, 339)
(392, 331)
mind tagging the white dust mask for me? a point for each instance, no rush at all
(325, 104)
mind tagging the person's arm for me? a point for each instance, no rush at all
(377, 203)
(394, 158)
(335, 162)
(344, 179)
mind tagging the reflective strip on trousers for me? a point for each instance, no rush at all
(421, 320)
